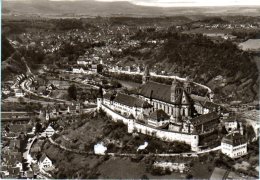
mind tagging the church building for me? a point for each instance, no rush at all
(174, 99)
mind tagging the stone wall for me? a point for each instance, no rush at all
(165, 135)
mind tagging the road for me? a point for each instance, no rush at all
(191, 154)
(26, 154)
(15, 99)
(24, 87)
(163, 76)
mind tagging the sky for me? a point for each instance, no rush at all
(181, 3)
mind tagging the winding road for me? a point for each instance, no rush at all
(210, 92)
(24, 86)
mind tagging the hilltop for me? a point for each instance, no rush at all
(119, 8)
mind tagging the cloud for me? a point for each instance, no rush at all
(181, 3)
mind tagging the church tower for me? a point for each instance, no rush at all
(187, 85)
(175, 90)
(146, 76)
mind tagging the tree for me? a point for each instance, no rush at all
(21, 100)
(189, 176)
(144, 176)
(38, 127)
(72, 91)
(250, 132)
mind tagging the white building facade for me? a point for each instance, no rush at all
(234, 145)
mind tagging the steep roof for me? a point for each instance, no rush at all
(18, 128)
(131, 101)
(234, 139)
(108, 96)
(199, 98)
(204, 118)
(211, 105)
(50, 128)
(43, 158)
(162, 92)
(131, 116)
(159, 115)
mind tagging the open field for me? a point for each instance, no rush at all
(251, 45)
(123, 168)
(59, 94)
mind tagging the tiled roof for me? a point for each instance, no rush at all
(131, 101)
(18, 128)
(162, 92)
(127, 100)
(131, 116)
(15, 143)
(211, 105)
(19, 91)
(234, 139)
(14, 171)
(159, 115)
(199, 98)
(43, 157)
(12, 157)
(108, 96)
(204, 118)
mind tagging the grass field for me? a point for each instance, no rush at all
(251, 44)
(59, 94)
(123, 168)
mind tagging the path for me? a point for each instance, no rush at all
(192, 154)
(26, 154)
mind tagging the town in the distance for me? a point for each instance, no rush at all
(126, 97)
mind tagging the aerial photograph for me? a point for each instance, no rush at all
(130, 89)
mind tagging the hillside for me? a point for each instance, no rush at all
(98, 8)
(12, 61)
(7, 48)
(229, 71)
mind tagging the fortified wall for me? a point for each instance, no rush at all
(165, 135)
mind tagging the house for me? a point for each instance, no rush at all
(44, 162)
(234, 145)
(232, 125)
(19, 93)
(168, 111)
(176, 166)
(79, 69)
(204, 123)
(49, 131)
(158, 118)
(127, 105)
(96, 68)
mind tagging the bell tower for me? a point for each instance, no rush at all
(146, 76)
(187, 85)
(175, 90)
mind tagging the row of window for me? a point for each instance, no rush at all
(168, 109)
(239, 153)
(238, 148)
